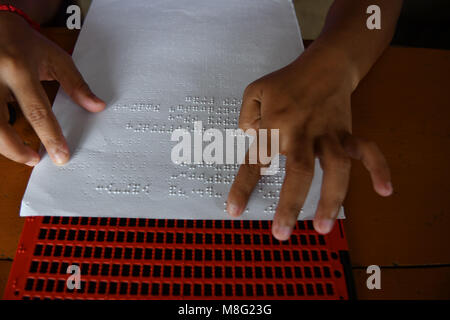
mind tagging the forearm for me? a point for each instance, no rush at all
(40, 11)
(346, 37)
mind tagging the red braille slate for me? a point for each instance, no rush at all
(177, 259)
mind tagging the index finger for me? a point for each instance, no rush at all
(245, 181)
(36, 107)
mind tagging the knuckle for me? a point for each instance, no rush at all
(79, 86)
(339, 160)
(332, 204)
(11, 64)
(240, 191)
(337, 199)
(37, 113)
(294, 210)
(10, 150)
(245, 124)
(251, 89)
(332, 154)
(242, 184)
(54, 141)
(330, 199)
(301, 166)
(58, 58)
(19, 157)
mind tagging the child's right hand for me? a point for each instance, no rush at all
(26, 58)
(309, 102)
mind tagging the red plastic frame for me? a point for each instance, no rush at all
(151, 259)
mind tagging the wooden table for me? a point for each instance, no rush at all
(403, 105)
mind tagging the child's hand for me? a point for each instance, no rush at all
(309, 102)
(26, 58)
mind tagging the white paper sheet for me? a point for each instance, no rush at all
(161, 65)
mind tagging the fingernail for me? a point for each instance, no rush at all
(60, 156)
(233, 209)
(32, 162)
(324, 226)
(389, 189)
(282, 233)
